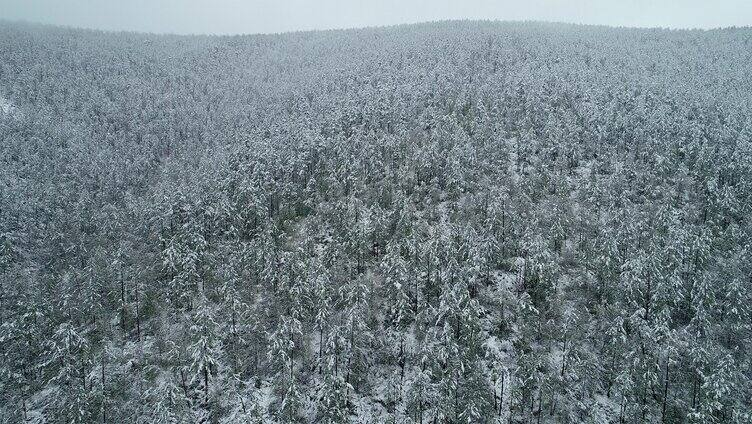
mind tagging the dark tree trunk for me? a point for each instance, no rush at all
(104, 398)
(665, 391)
(138, 316)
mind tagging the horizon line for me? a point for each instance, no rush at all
(367, 27)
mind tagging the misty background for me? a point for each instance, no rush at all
(271, 16)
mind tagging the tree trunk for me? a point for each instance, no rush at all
(695, 384)
(540, 403)
(563, 358)
(321, 345)
(349, 362)
(104, 398)
(402, 365)
(611, 375)
(206, 386)
(183, 384)
(554, 400)
(292, 363)
(122, 300)
(501, 395)
(138, 316)
(665, 391)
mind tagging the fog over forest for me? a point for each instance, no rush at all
(450, 222)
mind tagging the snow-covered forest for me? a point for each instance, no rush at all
(455, 222)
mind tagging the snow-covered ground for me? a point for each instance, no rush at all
(6, 107)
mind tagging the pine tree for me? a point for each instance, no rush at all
(284, 342)
(205, 355)
(69, 361)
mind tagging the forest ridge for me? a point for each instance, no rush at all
(455, 222)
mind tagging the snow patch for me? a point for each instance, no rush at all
(6, 107)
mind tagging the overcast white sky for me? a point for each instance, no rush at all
(266, 16)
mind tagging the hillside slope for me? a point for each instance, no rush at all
(447, 222)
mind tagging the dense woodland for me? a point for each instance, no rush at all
(455, 222)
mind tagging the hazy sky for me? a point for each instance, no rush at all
(264, 16)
